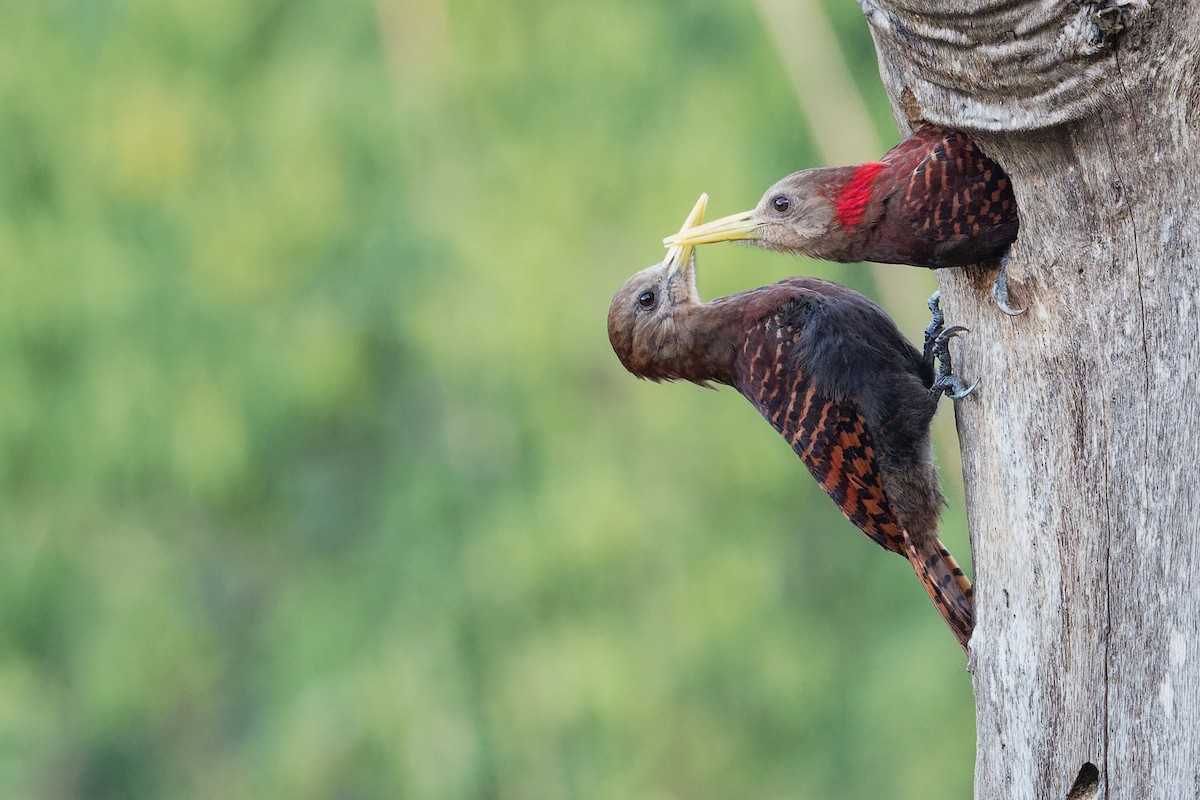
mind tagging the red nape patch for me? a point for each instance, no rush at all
(851, 202)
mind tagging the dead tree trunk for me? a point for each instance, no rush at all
(1081, 451)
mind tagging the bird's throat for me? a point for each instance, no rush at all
(703, 345)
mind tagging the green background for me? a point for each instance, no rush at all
(320, 478)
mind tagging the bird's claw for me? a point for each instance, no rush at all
(1000, 291)
(952, 387)
(939, 343)
(945, 382)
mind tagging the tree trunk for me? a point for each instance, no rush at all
(1081, 449)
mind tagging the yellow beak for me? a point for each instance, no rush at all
(679, 255)
(726, 229)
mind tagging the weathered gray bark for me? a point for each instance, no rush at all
(1081, 451)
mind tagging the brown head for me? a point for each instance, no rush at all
(648, 321)
(802, 213)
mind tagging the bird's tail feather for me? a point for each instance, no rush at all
(945, 582)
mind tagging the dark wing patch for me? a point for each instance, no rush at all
(830, 437)
(954, 190)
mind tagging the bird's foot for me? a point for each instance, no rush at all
(935, 326)
(947, 383)
(1000, 290)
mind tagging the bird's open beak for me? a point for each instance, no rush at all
(680, 256)
(726, 229)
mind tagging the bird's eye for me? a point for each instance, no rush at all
(780, 203)
(646, 299)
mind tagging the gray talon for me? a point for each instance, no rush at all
(945, 382)
(949, 334)
(952, 387)
(961, 392)
(1000, 291)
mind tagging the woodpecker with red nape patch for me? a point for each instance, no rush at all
(934, 200)
(831, 373)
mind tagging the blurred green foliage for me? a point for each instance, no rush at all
(320, 479)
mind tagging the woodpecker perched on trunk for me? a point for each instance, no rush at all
(830, 371)
(934, 200)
